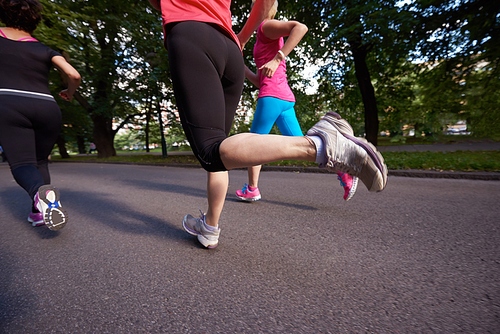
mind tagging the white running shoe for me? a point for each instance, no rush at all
(198, 227)
(348, 154)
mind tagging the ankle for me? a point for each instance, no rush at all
(209, 223)
(319, 148)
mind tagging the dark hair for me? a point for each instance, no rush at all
(21, 14)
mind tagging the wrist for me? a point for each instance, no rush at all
(282, 54)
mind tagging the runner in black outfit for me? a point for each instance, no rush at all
(30, 119)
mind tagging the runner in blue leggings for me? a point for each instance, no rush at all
(276, 100)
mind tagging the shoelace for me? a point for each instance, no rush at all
(346, 159)
(245, 189)
(54, 205)
(342, 183)
(202, 215)
(340, 167)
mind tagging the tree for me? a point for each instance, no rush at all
(109, 50)
(462, 39)
(351, 39)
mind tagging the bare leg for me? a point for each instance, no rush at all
(217, 184)
(250, 149)
(253, 176)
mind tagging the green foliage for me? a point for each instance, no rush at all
(107, 42)
(483, 102)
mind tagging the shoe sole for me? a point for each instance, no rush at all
(340, 124)
(36, 223)
(55, 217)
(201, 238)
(353, 188)
(249, 199)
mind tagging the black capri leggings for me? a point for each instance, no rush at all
(207, 75)
(28, 131)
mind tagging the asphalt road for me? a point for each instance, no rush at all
(423, 256)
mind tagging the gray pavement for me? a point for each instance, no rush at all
(420, 257)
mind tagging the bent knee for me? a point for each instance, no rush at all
(210, 158)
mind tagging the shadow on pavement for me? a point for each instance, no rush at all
(100, 208)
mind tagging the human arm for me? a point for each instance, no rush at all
(274, 29)
(155, 4)
(258, 13)
(252, 77)
(73, 76)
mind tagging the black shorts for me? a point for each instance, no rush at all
(207, 73)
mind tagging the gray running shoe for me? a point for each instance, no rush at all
(348, 154)
(47, 202)
(196, 226)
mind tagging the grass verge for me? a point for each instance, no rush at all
(466, 161)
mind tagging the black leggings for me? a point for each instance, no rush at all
(207, 74)
(29, 127)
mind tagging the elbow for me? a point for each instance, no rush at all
(75, 77)
(304, 28)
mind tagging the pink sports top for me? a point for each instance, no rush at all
(210, 11)
(264, 50)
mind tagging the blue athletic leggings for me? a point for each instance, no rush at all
(272, 110)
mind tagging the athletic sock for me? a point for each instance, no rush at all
(320, 149)
(209, 227)
(252, 188)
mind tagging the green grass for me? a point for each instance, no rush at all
(135, 158)
(441, 139)
(467, 161)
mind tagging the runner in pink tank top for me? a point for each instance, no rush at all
(276, 101)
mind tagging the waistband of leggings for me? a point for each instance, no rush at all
(16, 92)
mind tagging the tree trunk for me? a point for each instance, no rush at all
(359, 52)
(80, 141)
(61, 145)
(148, 116)
(367, 94)
(104, 136)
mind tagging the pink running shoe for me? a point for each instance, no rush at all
(248, 195)
(36, 219)
(349, 183)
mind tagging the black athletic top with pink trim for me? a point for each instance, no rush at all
(25, 65)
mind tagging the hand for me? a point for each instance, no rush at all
(65, 95)
(269, 68)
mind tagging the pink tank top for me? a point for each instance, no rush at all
(264, 50)
(210, 11)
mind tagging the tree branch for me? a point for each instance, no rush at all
(125, 121)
